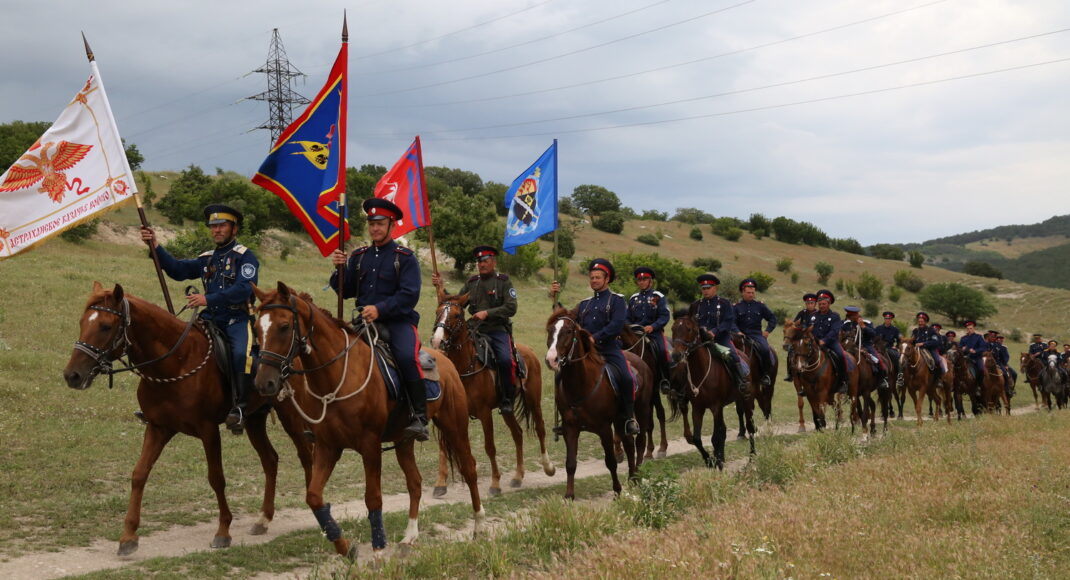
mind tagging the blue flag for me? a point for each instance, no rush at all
(532, 203)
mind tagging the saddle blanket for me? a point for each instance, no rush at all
(393, 380)
(614, 378)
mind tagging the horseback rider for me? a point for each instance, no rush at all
(826, 329)
(1066, 351)
(945, 346)
(1053, 351)
(866, 335)
(1005, 360)
(749, 316)
(716, 317)
(385, 280)
(803, 319)
(952, 342)
(228, 273)
(1037, 346)
(603, 315)
(974, 347)
(649, 308)
(926, 337)
(492, 304)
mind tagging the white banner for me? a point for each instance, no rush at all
(78, 168)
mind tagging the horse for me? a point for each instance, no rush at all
(453, 337)
(345, 402)
(1051, 381)
(993, 391)
(763, 394)
(964, 383)
(1030, 368)
(813, 372)
(863, 406)
(634, 339)
(586, 401)
(791, 332)
(709, 386)
(921, 381)
(181, 391)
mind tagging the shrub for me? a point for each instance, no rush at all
(696, 233)
(869, 287)
(655, 500)
(908, 281)
(611, 222)
(707, 264)
(759, 233)
(691, 215)
(887, 252)
(850, 288)
(956, 301)
(721, 226)
(566, 240)
(794, 277)
(1015, 335)
(824, 271)
(916, 259)
(523, 264)
(654, 215)
(733, 234)
(984, 269)
(81, 232)
(762, 281)
(871, 308)
(648, 239)
(190, 243)
(784, 264)
(992, 288)
(758, 222)
(895, 293)
(849, 245)
(781, 314)
(840, 285)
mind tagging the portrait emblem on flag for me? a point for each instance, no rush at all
(524, 215)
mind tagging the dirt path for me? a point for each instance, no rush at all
(183, 540)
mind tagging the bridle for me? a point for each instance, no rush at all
(690, 346)
(449, 330)
(567, 357)
(814, 357)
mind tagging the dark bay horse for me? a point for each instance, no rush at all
(1030, 368)
(586, 400)
(453, 337)
(346, 405)
(964, 383)
(763, 394)
(635, 341)
(708, 386)
(863, 406)
(181, 391)
(812, 371)
(921, 382)
(791, 332)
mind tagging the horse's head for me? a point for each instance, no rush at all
(566, 341)
(686, 335)
(791, 330)
(280, 322)
(1053, 360)
(101, 338)
(449, 321)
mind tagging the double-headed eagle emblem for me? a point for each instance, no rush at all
(48, 168)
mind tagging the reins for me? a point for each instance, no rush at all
(450, 345)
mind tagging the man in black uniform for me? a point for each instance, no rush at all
(826, 329)
(749, 316)
(804, 318)
(866, 335)
(492, 304)
(649, 308)
(1037, 346)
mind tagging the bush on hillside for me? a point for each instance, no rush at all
(871, 308)
(784, 264)
(840, 285)
(869, 287)
(81, 232)
(610, 222)
(794, 277)
(824, 271)
(691, 215)
(654, 215)
(648, 239)
(523, 264)
(887, 252)
(916, 259)
(696, 233)
(956, 301)
(732, 234)
(908, 281)
(757, 222)
(975, 268)
(849, 245)
(762, 281)
(895, 293)
(707, 264)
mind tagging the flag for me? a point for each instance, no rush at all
(307, 165)
(532, 202)
(404, 186)
(76, 170)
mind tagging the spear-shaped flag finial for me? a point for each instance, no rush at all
(345, 27)
(88, 51)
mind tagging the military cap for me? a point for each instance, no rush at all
(480, 252)
(643, 272)
(950, 334)
(708, 279)
(969, 323)
(852, 309)
(748, 283)
(938, 326)
(888, 314)
(922, 314)
(825, 294)
(605, 266)
(218, 213)
(378, 208)
(809, 296)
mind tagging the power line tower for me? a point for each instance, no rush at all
(280, 95)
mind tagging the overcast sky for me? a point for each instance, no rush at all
(896, 153)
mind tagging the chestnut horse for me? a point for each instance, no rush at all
(964, 383)
(708, 386)
(586, 400)
(181, 391)
(637, 342)
(452, 337)
(1030, 367)
(812, 370)
(921, 382)
(863, 406)
(346, 405)
(791, 332)
(993, 392)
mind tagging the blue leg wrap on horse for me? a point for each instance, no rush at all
(327, 523)
(375, 518)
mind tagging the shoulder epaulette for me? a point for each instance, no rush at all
(586, 299)
(206, 254)
(360, 250)
(658, 294)
(633, 296)
(474, 278)
(616, 294)
(403, 250)
(238, 248)
(503, 276)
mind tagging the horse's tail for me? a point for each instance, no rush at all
(520, 407)
(676, 403)
(448, 450)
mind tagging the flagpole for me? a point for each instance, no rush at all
(140, 212)
(423, 186)
(342, 115)
(557, 224)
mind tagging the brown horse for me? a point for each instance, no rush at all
(346, 405)
(791, 332)
(921, 382)
(637, 342)
(586, 400)
(181, 391)
(763, 394)
(993, 393)
(708, 386)
(1030, 368)
(814, 374)
(452, 337)
(864, 406)
(964, 383)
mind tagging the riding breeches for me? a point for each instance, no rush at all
(405, 346)
(873, 351)
(615, 356)
(239, 334)
(765, 354)
(660, 346)
(502, 344)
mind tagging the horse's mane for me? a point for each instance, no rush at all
(558, 312)
(681, 312)
(337, 321)
(573, 314)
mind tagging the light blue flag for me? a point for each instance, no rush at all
(532, 202)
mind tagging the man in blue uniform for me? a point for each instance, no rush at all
(749, 316)
(974, 347)
(803, 319)
(951, 341)
(944, 346)
(604, 315)
(865, 337)
(1037, 346)
(1053, 351)
(826, 329)
(1066, 351)
(716, 316)
(385, 279)
(649, 308)
(1005, 358)
(228, 273)
(925, 336)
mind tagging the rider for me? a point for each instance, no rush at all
(854, 323)
(385, 279)
(649, 308)
(1005, 360)
(749, 316)
(716, 317)
(945, 346)
(492, 303)
(1053, 350)
(228, 273)
(803, 319)
(826, 329)
(1037, 346)
(603, 315)
(951, 340)
(926, 337)
(974, 347)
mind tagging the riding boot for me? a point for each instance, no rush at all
(631, 426)
(882, 380)
(664, 384)
(505, 402)
(235, 420)
(416, 393)
(741, 379)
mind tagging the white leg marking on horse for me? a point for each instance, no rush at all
(93, 316)
(263, 520)
(551, 355)
(412, 531)
(265, 324)
(480, 517)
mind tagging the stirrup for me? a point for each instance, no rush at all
(631, 426)
(506, 408)
(416, 430)
(665, 386)
(235, 421)
(884, 385)
(558, 430)
(788, 379)
(141, 417)
(766, 381)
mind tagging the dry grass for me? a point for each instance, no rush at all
(1018, 246)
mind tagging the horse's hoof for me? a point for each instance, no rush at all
(549, 470)
(221, 542)
(741, 437)
(128, 547)
(351, 553)
(516, 482)
(440, 490)
(258, 529)
(720, 465)
(661, 454)
(403, 550)
(495, 491)
(802, 429)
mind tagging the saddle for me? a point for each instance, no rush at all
(615, 379)
(221, 352)
(388, 368)
(485, 355)
(927, 356)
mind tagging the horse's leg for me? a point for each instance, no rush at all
(696, 437)
(751, 428)
(452, 423)
(802, 422)
(742, 422)
(256, 428)
(407, 461)
(533, 397)
(720, 433)
(153, 443)
(518, 441)
(688, 434)
(323, 461)
(606, 435)
(918, 398)
(442, 482)
(213, 452)
(487, 420)
(572, 438)
(659, 408)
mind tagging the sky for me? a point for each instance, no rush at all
(885, 121)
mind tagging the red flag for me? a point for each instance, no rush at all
(403, 185)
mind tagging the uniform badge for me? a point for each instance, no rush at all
(512, 293)
(248, 271)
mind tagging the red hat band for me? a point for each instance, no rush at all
(382, 211)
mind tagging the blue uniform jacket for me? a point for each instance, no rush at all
(1003, 356)
(227, 273)
(926, 337)
(603, 315)
(827, 327)
(889, 333)
(648, 308)
(387, 277)
(749, 317)
(973, 341)
(715, 315)
(1037, 347)
(869, 334)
